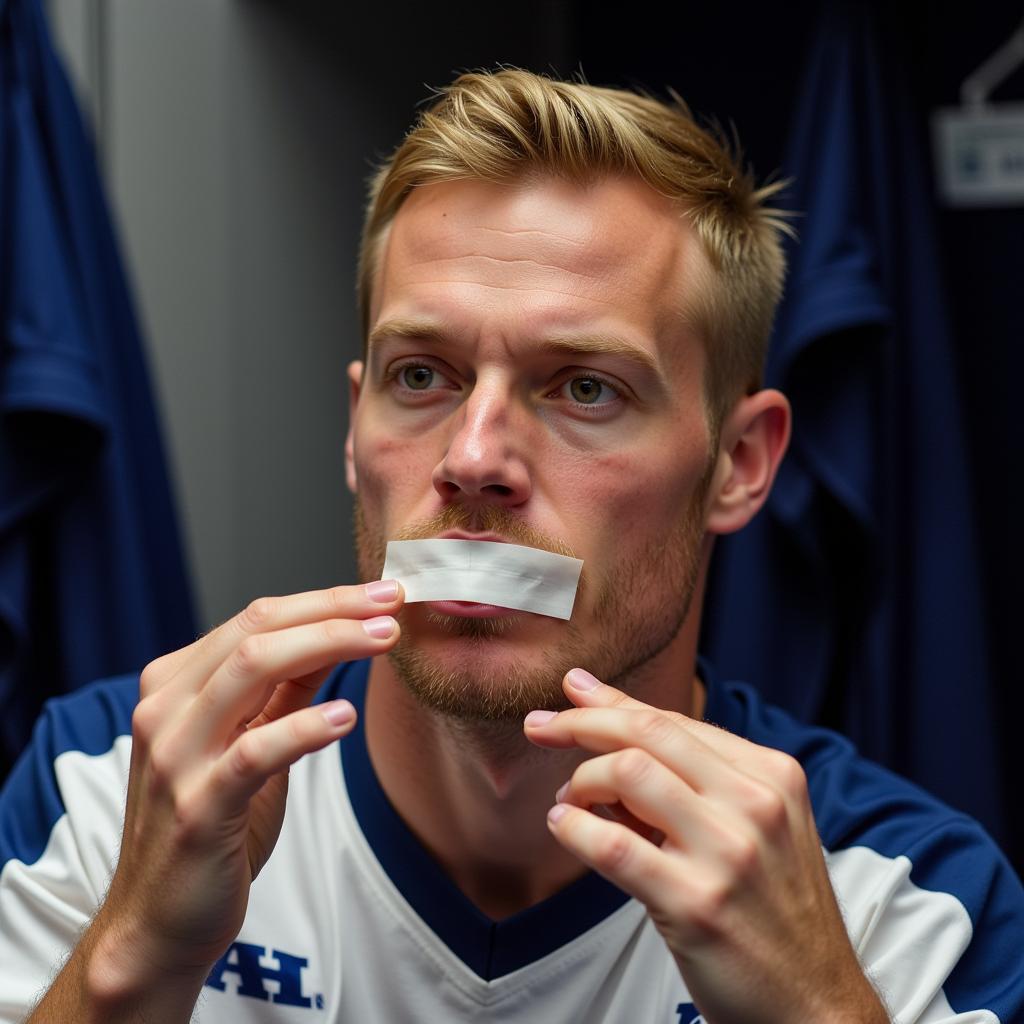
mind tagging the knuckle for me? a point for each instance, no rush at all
(258, 614)
(743, 855)
(153, 676)
(145, 719)
(613, 851)
(246, 754)
(631, 767)
(190, 818)
(337, 600)
(163, 762)
(249, 656)
(672, 910)
(335, 630)
(706, 906)
(766, 807)
(652, 726)
(300, 731)
(677, 718)
(788, 774)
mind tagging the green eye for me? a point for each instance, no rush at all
(417, 378)
(586, 390)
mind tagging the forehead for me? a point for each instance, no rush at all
(548, 251)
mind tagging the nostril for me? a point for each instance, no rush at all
(493, 476)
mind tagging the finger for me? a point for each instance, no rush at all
(644, 787)
(258, 754)
(161, 670)
(240, 689)
(616, 812)
(620, 855)
(586, 690)
(603, 730)
(289, 696)
(763, 779)
(271, 614)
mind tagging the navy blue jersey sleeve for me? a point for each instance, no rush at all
(61, 814)
(88, 722)
(934, 909)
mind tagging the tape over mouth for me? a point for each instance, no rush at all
(507, 575)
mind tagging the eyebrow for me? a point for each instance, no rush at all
(410, 327)
(586, 343)
(591, 344)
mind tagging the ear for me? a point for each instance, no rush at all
(355, 377)
(753, 441)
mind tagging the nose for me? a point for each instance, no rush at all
(484, 461)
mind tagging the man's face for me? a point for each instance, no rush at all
(530, 378)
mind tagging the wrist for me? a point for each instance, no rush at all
(866, 1008)
(123, 974)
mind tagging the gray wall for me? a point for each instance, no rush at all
(236, 137)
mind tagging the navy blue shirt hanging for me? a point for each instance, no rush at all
(854, 599)
(92, 576)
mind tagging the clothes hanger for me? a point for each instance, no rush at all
(979, 146)
(982, 82)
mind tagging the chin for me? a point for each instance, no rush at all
(483, 671)
(491, 627)
(434, 623)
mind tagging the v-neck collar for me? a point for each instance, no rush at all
(491, 949)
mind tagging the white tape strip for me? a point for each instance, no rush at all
(507, 575)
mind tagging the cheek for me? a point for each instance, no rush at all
(622, 497)
(387, 467)
(595, 496)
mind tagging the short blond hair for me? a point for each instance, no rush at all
(499, 126)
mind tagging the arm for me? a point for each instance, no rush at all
(216, 728)
(716, 837)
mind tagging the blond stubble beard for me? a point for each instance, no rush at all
(629, 628)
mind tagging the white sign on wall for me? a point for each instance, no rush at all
(979, 155)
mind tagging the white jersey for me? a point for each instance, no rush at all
(352, 921)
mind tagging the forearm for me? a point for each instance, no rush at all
(107, 981)
(860, 1005)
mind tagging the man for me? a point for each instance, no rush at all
(567, 293)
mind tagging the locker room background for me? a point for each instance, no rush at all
(234, 139)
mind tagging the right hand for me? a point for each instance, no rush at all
(216, 728)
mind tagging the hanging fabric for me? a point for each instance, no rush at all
(92, 575)
(854, 599)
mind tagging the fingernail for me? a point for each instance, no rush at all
(338, 712)
(381, 627)
(556, 812)
(382, 590)
(562, 790)
(581, 679)
(540, 717)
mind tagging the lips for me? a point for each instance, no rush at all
(461, 535)
(471, 609)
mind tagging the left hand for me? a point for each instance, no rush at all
(716, 837)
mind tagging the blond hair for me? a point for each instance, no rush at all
(498, 126)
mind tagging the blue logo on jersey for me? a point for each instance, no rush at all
(688, 1014)
(243, 959)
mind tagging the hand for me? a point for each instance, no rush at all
(716, 837)
(218, 724)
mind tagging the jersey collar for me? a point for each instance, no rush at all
(489, 948)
